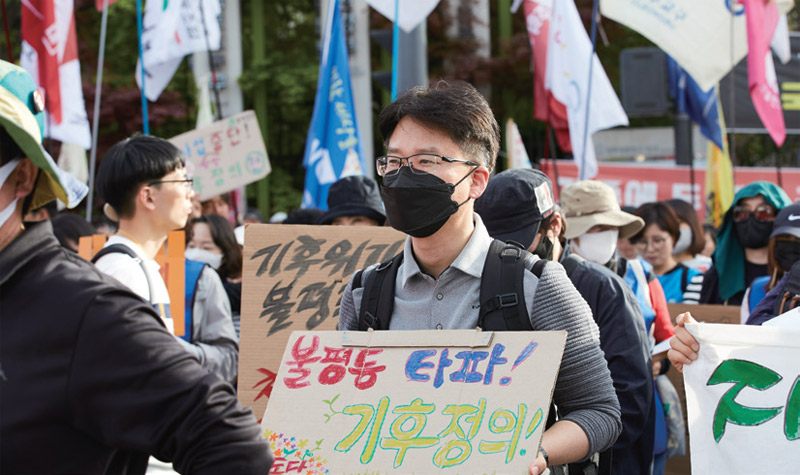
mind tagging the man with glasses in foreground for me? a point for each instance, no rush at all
(143, 181)
(441, 145)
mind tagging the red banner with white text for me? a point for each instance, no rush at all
(638, 184)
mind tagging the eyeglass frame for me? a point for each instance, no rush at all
(754, 212)
(189, 182)
(442, 157)
(645, 243)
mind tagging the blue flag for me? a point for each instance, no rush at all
(333, 146)
(700, 106)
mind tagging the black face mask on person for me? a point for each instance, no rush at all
(786, 254)
(752, 233)
(418, 204)
(545, 248)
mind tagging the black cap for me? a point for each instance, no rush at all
(787, 221)
(354, 196)
(514, 204)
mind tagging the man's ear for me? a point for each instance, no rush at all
(145, 198)
(24, 178)
(556, 224)
(480, 178)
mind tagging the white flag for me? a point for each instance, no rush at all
(412, 12)
(515, 148)
(171, 31)
(705, 37)
(567, 77)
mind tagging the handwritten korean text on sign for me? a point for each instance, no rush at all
(225, 155)
(294, 277)
(399, 408)
(743, 398)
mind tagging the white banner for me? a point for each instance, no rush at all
(743, 399)
(705, 37)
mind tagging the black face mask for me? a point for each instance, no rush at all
(418, 204)
(786, 254)
(752, 233)
(545, 248)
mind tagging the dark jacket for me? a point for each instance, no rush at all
(626, 348)
(91, 381)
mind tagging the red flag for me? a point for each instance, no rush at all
(762, 18)
(50, 55)
(39, 29)
(545, 106)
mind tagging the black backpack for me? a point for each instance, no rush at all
(502, 298)
(790, 294)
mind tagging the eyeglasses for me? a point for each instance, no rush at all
(187, 182)
(388, 165)
(656, 242)
(763, 212)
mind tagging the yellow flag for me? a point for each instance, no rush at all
(719, 175)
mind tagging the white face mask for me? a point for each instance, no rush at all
(201, 255)
(597, 247)
(5, 172)
(684, 240)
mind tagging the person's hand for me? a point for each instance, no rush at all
(656, 368)
(538, 465)
(684, 347)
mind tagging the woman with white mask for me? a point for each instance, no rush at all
(692, 238)
(656, 244)
(211, 240)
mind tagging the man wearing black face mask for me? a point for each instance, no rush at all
(741, 253)
(441, 145)
(518, 205)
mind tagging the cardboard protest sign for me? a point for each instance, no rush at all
(293, 279)
(743, 398)
(171, 260)
(437, 401)
(225, 155)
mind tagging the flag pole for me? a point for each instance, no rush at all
(96, 117)
(589, 91)
(395, 47)
(211, 62)
(145, 120)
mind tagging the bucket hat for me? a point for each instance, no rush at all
(589, 203)
(22, 117)
(355, 195)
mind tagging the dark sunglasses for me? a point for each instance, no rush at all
(763, 212)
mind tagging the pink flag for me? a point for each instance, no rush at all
(545, 106)
(762, 18)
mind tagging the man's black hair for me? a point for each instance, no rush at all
(70, 227)
(132, 163)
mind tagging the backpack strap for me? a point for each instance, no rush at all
(123, 249)
(684, 277)
(193, 270)
(377, 302)
(502, 296)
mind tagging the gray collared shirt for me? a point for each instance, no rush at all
(584, 392)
